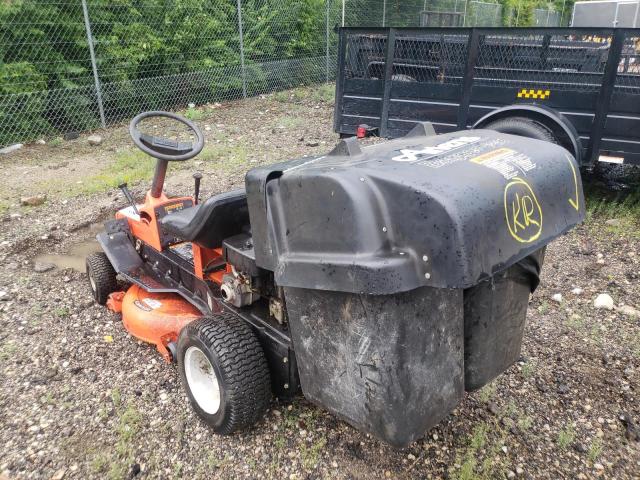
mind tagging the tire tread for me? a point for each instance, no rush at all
(243, 366)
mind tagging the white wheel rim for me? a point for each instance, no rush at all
(202, 380)
(93, 282)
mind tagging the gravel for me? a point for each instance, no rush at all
(80, 398)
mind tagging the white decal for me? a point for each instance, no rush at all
(415, 155)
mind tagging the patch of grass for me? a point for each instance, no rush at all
(56, 142)
(8, 350)
(311, 454)
(466, 466)
(566, 436)
(575, 321)
(62, 312)
(289, 122)
(226, 158)
(324, 93)
(543, 308)
(116, 397)
(214, 462)
(282, 97)
(595, 450)
(194, 114)
(609, 204)
(525, 423)
(100, 463)
(114, 464)
(487, 392)
(479, 436)
(528, 369)
(48, 398)
(131, 166)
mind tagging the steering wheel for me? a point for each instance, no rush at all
(163, 148)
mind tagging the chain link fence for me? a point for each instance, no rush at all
(77, 65)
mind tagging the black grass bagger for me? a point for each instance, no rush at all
(382, 281)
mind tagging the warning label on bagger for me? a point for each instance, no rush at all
(506, 161)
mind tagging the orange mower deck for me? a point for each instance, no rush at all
(155, 318)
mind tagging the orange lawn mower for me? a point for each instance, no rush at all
(382, 281)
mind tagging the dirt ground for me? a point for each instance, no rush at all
(80, 398)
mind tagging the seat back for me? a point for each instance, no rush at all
(220, 217)
(210, 223)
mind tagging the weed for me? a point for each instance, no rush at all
(528, 369)
(62, 312)
(214, 462)
(566, 436)
(311, 454)
(575, 321)
(467, 470)
(227, 158)
(282, 97)
(324, 93)
(194, 114)
(118, 470)
(48, 398)
(100, 462)
(596, 335)
(8, 350)
(290, 122)
(56, 142)
(487, 392)
(116, 397)
(130, 167)
(279, 442)
(510, 410)
(479, 437)
(609, 204)
(525, 423)
(544, 307)
(595, 450)
(177, 469)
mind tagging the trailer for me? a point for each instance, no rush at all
(578, 87)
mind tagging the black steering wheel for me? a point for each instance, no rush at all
(164, 148)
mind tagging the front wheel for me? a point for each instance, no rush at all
(224, 371)
(102, 277)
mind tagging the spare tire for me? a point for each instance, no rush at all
(524, 127)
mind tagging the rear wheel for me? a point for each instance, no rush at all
(102, 277)
(524, 127)
(224, 372)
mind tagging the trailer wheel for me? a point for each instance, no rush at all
(102, 276)
(224, 372)
(524, 127)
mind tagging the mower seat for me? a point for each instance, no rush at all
(210, 223)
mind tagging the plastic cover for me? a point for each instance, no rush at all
(443, 211)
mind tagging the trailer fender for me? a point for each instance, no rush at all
(561, 128)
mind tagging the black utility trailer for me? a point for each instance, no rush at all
(579, 87)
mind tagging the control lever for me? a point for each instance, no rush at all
(196, 177)
(127, 194)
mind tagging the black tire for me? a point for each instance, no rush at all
(240, 368)
(524, 127)
(101, 276)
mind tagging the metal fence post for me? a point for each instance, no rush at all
(242, 69)
(384, 13)
(96, 79)
(327, 41)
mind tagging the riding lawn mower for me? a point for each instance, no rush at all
(380, 281)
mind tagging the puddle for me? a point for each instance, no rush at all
(77, 254)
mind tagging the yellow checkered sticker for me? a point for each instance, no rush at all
(529, 93)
